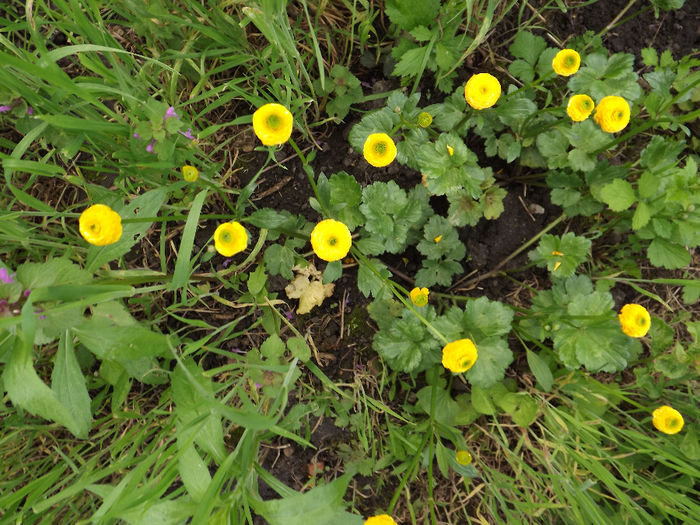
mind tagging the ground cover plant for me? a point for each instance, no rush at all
(349, 262)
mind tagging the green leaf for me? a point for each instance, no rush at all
(371, 284)
(522, 70)
(346, 195)
(493, 202)
(279, 260)
(380, 121)
(421, 33)
(184, 254)
(618, 195)
(482, 401)
(650, 57)
(437, 272)
(515, 110)
(641, 216)
(27, 391)
(332, 272)
(411, 62)
(406, 345)
(527, 46)
(144, 206)
(446, 409)
(299, 348)
(257, 280)
(440, 239)
(464, 209)
(540, 370)
(193, 472)
(322, 504)
(68, 382)
(273, 347)
(408, 14)
(272, 219)
(562, 255)
(519, 406)
(663, 253)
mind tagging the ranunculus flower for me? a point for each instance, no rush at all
(272, 124)
(635, 320)
(190, 173)
(668, 420)
(419, 296)
(230, 238)
(459, 356)
(612, 114)
(580, 107)
(482, 91)
(566, 62)
(331, 240)
(100, 225)
(379, 150)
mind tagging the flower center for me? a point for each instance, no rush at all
(466, 363)
(274, 121)
(95, 228)
(641, 321)
(618, 115)
(671, 422)
(380, 148)
(332, 241)
(226, 236)
(570, 61)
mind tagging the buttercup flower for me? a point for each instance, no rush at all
(382, 519)
(331, 240)
(419, 296)
(459, 356)
(668, 420)
(482, 91)
(272, 124)
(580, 107)
(463, 457)
(100, 225)
(190, 173)
(566, 62)
(612, 114)
(635, 320)
(379, 150)
(230, 238)
(425, 119)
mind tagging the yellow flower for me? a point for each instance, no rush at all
(382, 519)
(379, 150)
(272, 124)
(482, 91)
(190, 173)
(566, 62)
(668, 420)
(463, 457)
(331, 240)
(437, 239)
(450, 150)
(100, 225)
(230, 238)
(425, 119)
(635, 320)
(419, 296)
(612, 114)
(459, 356)
(580, 107)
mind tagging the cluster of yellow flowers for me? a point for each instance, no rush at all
(612, 113)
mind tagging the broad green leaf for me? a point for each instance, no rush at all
(184, 254)
(494, 356)
(666, 254)
(437, 272)
(193, 472)
(618, 195)
(406, 345)
(322, 504)
(446, 409)
(279, 260)
(299, 348)
(520, 406)
(528, 47)
(540, 370)
(493, 202)
(440, 239)
(464, 210)
(273, 347)
(380, 121)
(272, 219)
(411, 62)
(68, 382)
(371, 284)
(641, 216)
(562, 255)
(408, 14)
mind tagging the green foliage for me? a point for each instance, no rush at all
(602, 76)
(561, 255)
(583, 326)
(342, 89)
(443, 251)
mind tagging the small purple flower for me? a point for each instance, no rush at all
(258, 385)
(149, 148)
(137, 136)
(5, 276)
(289, 315)
(30, 110)
(237, 350)
(5, 108)
(170, 113)
(226, 263)
(187, 134)
(27, 292)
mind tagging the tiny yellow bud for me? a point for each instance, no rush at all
(450, 150)
(437, 239)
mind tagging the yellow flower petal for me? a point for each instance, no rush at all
(482, 91)
(419, 296)
(463, 457)
(668, 420)
(100, 225)
(566, 62)
(331, 240)
(272, 124)
(580, 107)
(635, 320)
(382, 519)
(459, 356)
(230, 238)
(612, 114)
(190, 173)
(379, 150)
